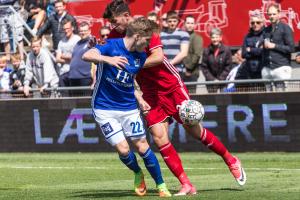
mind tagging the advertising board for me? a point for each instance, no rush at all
(243, 122)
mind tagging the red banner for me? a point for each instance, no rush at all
(232, 16)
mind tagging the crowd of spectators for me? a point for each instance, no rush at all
(265, 52)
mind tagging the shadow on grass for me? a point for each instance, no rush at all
(223, 189)
(4, 189)
(99, 194)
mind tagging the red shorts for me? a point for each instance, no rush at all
(164, 106)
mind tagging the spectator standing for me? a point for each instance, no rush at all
(252, 48)
(80, 70)
(278, 46)
(104, 32)
(238, 71)
(54, 22)
(10, 26)
(164, 23)
(18, 74)
(175, 42)
(4, 75)
(40, 72)
(216, 62)
(191, 61)
(64, 52)
(153, 17)
(158, 5)
(37, 17)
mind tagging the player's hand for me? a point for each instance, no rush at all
(117, 61)
(92, 42)
(144, 106)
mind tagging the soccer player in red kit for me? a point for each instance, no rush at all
(163, 92)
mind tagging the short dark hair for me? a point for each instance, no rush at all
(116, 7)
(84, 23)
(152, 14)
(33, 5)
(60, 1)
(65, 21)
(172, 14)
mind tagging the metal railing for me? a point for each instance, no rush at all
(220, 87)
(247, 85)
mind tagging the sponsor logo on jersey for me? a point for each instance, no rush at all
(106, 128)
(137, 63)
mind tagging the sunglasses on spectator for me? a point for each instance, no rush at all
(164, 19)
(104, 35)
(256, 22)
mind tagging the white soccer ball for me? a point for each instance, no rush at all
(191, 112)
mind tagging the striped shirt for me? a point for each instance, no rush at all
(171, 44)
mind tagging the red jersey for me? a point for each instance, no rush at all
(115, 34)
(161, 79)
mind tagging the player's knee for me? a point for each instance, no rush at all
(123, 148)
(194, 130)
(161, 139)
(141, 145)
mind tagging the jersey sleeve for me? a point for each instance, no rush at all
(155, 42)
(103, 49)
(115, 34)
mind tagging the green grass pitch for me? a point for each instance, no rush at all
(82, 176)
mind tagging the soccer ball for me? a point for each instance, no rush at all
(191, 112)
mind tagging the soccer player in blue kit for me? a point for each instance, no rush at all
(114, 104)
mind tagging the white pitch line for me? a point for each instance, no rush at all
(121, 168)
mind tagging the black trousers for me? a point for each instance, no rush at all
(80, 82)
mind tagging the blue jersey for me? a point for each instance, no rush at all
(114, 88)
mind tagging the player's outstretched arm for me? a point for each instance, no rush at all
(93, 55)
(156, 58)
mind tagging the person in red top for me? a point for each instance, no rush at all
(163, 92)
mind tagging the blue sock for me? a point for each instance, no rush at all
(131, 162)
(152, 166)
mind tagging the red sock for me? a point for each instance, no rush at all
(173, 162)
(214, 144)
